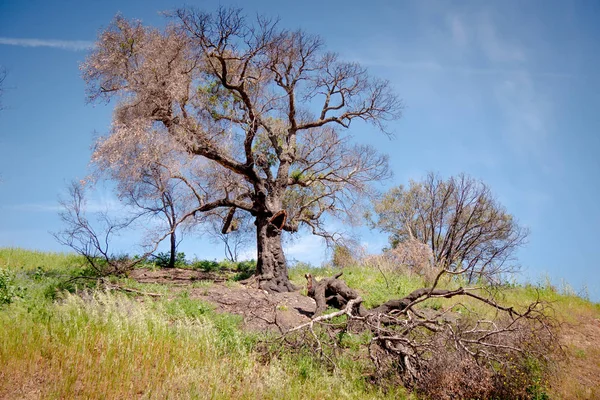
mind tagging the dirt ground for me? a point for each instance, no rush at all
(260, 310)
(177, 276)
(579, 373)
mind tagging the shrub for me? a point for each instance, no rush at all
(454, 374)
(9, 290)
(206, 265)
(162, 259)
(450, 376)
(343, 256)
(245, 270)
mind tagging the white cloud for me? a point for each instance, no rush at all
(108, 205)
(524, 111)
(528, 117)
(496, 48)
(506, 70)
(72, 45)
(36, 207)
(458, 30)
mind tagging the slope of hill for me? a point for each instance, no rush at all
(64, 336)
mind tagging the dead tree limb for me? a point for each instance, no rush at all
(227, 223)
(413, 341)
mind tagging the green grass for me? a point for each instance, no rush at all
(61, 337)
(377, 289)
(28, 260)
(569, 310)
(87, 343)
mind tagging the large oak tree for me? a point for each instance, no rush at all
(261, 110)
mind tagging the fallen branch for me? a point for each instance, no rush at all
(345, 311)
(417, 342)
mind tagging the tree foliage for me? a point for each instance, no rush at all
(260, 109)
(466, 228)
(146, 172)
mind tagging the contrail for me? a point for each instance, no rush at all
(72, 45)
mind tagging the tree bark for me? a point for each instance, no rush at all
(271, 267)
(173, 250)
(332, 292)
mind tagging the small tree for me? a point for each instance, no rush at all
(156, 196)
(93, 238)
(261, 107)
(148, 181)
(467, 229)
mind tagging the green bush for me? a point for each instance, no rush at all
(162, 259)
(206, 265)
(245, 269)
(9, 290)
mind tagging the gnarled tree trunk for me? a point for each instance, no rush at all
(271, 267)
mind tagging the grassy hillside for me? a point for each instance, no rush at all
(62, 338)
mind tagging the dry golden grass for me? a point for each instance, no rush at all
(111, 346)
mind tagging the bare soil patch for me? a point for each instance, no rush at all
(260, 310)
(579, 375)
(177, 276)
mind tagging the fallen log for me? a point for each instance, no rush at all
(333, 292)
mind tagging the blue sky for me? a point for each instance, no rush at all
(507, 92)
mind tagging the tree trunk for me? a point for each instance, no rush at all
(271, 267)
(173, 251)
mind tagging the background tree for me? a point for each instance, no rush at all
(157, 196)
(92, 238)
(347, 253)
(467, 229)
(262, 107)
(149, 183)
